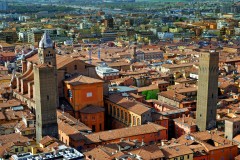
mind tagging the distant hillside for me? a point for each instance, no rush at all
(163, 0)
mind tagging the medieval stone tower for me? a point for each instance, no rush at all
(45, 86)
(207, 90)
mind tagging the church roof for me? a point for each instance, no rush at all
(46, 41)
(80, 79)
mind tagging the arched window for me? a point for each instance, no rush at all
(114, 110)
(134, 120)
(75, 67)
(130, 118)
(138, 122)
(122, 114)
(118, 112)
(126, 116)
(110, 109)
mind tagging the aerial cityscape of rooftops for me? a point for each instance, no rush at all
(119, 79)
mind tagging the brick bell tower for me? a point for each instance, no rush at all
(46, 93)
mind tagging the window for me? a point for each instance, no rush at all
(118, 112)
(93, 128)
(89, 94)
(114, 110)
(93, 118)
(69, 93)
(182, 158)
(75, 67)
(100, 126)
(122, 114)
(48, 97)
(134, 120)
(138, 122)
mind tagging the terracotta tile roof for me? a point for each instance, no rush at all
(69, 120)
(120, 80)
(175, 66)
(123, 133)
(44, 65)
(135, 95)
(226, 84)
(46, 139)
(116, 64)
(21, 126)
(7, 54)
(148, 152)
(71, 131)
(61, 60)
(160, 82)
(237, 138)
(4, 149)
(80, 79)
(10, 103)
(177, 150)
(4, 44)
(171, 94)
(14, 137)
(5, 77)
(92, 109)
(148, 88)
(208, 140)
(98, 153)
(9, 125)
(131, 105)
(186, 121)
(2, 68)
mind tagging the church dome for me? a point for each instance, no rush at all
(46, 41)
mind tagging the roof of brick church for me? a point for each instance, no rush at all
(80, 79)
(123, 132)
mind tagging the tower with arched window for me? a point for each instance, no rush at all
(45, 90)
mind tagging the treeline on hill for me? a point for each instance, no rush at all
(37, 8)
